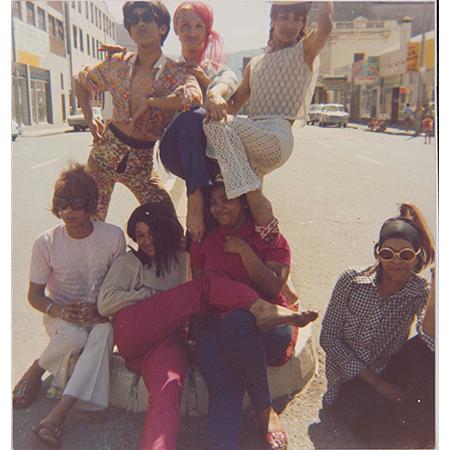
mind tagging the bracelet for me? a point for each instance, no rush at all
(49, 307)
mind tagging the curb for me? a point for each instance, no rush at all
(42, 133)
(127, 390)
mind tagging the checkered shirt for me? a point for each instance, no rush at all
(361, 330)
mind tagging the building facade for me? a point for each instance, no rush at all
(51, 42)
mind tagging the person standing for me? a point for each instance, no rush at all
(123, 149)
(68, 265)
(408, 115)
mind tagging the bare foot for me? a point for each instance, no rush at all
(195, 221)
(269, 316)
(274, 434)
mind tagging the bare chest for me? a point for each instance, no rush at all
(141, 88)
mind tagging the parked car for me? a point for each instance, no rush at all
(78, 122)
(333, 114)
(314, 113)
(15, 130)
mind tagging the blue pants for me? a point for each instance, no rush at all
(183, 151)
(232, 356)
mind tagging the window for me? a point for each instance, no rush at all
(100, 19)
(41, 19)
(96, 16)
(17, 9)
(97, 45)
(92, 12)
(51, 25)
(60, 29)
(93, 47)
(79, 7)
(81, 41)
(31, 17)
(75, 36)
(62, 81)
(86, 10)
(88, 42)
(73, 5)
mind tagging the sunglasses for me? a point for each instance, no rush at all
(75, 204)
(405, 254)
(146, 16)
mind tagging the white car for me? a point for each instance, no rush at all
(78, 122)
(15, 130)
(314, 113)
(333, 114)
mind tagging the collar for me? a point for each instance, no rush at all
(414, 287)
(246, 230)
(159, 65)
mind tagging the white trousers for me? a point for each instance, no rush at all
(247, 149)
(79, 357)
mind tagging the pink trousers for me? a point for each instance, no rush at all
(144, 334)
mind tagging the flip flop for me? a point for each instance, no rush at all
(49, 433)
(25, 393)
(276, 440)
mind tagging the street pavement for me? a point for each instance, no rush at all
(331, 199)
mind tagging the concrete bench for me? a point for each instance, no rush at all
(128, 390)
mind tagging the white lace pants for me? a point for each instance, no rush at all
(247, 149)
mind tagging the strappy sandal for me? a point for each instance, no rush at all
(276, 440)
(49, 433)
(25, 393)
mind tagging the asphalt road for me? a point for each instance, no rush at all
(331, 198)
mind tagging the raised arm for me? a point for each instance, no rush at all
(316, 40)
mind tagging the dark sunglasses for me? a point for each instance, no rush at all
(75, 204)
(146, 16)
(406, 254)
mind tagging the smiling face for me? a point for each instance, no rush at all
(144, 239)
(231, 214)
(287, 27)
(191, 31)
(397, 270)
(145, 32)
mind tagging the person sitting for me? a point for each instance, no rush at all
(380, 382)
(69, 261)
(158, 264)
(232, 353)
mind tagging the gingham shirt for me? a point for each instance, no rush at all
(361, 330)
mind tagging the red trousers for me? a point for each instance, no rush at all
(144, 334)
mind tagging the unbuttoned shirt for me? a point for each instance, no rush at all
(115, 75)
(361, 330)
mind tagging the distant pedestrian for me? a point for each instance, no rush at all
(427, 127)
(380, 382)
(408, 115)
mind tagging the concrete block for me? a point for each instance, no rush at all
(128, 390)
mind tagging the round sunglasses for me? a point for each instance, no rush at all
(146, 16)
(405, 254)
(75, 204)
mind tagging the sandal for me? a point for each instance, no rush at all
(276, 440)
(25, 393)
(49, 433)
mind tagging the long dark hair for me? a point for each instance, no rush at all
(300, 9)
(166, 230)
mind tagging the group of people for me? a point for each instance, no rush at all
(230, 285)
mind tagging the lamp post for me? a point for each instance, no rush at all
(420, 75)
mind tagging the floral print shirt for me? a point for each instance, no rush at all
(115, 75)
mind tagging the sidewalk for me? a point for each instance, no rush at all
(44, 130)
(389, 130)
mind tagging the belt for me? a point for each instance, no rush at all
(130, 141)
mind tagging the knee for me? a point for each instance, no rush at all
(71, 340)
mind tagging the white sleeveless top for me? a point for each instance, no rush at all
(281, 84)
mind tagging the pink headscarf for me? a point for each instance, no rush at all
(213, 45)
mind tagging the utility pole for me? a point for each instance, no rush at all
(420, 74)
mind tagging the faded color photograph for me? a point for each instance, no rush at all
(224, 218)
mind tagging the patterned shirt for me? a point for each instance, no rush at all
(361, 330)
(281, 84)
(115, 75)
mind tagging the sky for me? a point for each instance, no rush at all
(244, 24)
